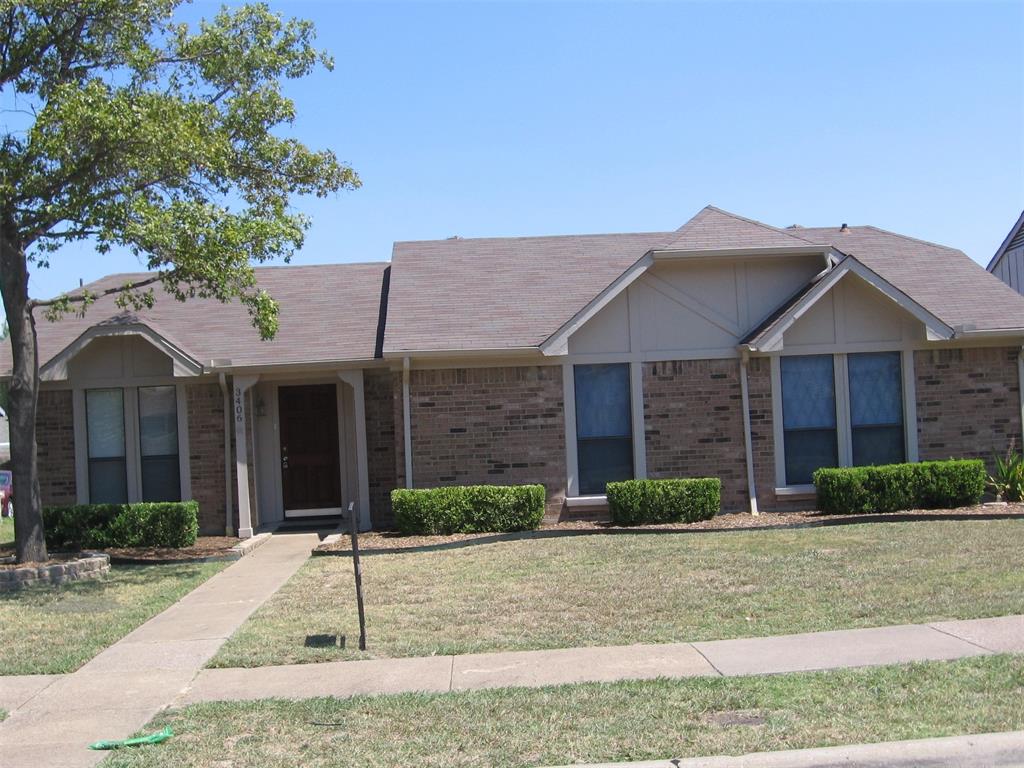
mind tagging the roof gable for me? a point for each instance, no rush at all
(768, 336)
(715, 229)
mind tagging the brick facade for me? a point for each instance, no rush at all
(379, 396)
(502, 426)
(55, 444)
(693, 424)
(968, 402)
(205, 403)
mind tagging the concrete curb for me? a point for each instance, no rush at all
(980, 750)
(247, 546)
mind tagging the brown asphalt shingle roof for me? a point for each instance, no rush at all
(509, 293)
(328, 313)
(500, 293)
(715, 229)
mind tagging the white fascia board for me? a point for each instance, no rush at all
(56, 367)
(455, 353)
(989, 332)
(558, 342)
(711, 253)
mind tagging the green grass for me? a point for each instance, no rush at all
(642, 588)
(596, 722)
(6, 531)
(49, 630)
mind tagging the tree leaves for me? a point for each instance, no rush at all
(161, 138)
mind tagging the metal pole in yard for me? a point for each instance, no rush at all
(359, 574)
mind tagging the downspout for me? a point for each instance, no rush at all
(747, 440)
(228, 518)
(406, 404)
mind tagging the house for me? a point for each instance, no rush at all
(1008, 262)
(727, 347)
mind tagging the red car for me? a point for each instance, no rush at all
(6, 493)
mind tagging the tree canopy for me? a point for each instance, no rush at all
(134, 130)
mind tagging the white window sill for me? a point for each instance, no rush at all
(599, 500)
(796, 492)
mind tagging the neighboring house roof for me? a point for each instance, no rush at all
(500, 293)
(1014, 239)
(328, 313)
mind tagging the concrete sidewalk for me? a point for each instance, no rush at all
(986, 750)
(763, 655)
(54, 718)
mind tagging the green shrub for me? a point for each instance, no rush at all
(102, 526)
(635, 502)
(468, 509)
(1007, 481)
(890, 488)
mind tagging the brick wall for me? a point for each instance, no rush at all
(379, 395)
(55, 443)
(502, 426)
(968, 402)
(205, 403)
(693, 424)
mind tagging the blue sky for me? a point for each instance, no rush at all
(490, 119)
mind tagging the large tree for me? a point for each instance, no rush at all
(133, 130)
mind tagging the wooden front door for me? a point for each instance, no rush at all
(310, 466)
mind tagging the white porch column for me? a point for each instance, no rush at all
(355, 380)
(241, 385)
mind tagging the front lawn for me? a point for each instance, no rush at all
(596, 722)
(49, 630)
(617, 589)
(6, 532)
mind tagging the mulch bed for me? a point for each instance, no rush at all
(392, 541)
(206, 547)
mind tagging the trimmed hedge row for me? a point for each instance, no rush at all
(468, 509)
(145, 524)
(633, 502)
(889, 488)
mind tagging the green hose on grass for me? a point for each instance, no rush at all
(153, 738)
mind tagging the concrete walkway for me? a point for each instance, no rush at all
(54, 718)
(764, 655)
(986, 750)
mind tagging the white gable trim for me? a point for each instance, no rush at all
(1001, 251)
(558, 342)
(772, 339)
(56, 368)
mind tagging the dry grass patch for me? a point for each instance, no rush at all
(519, 727)
(49, 629)
(642, 588)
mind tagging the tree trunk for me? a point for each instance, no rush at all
(23, 400)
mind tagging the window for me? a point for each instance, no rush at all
(108, 477)
(808, 416)
(158, 443)
(604, 431)
(876, 408)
